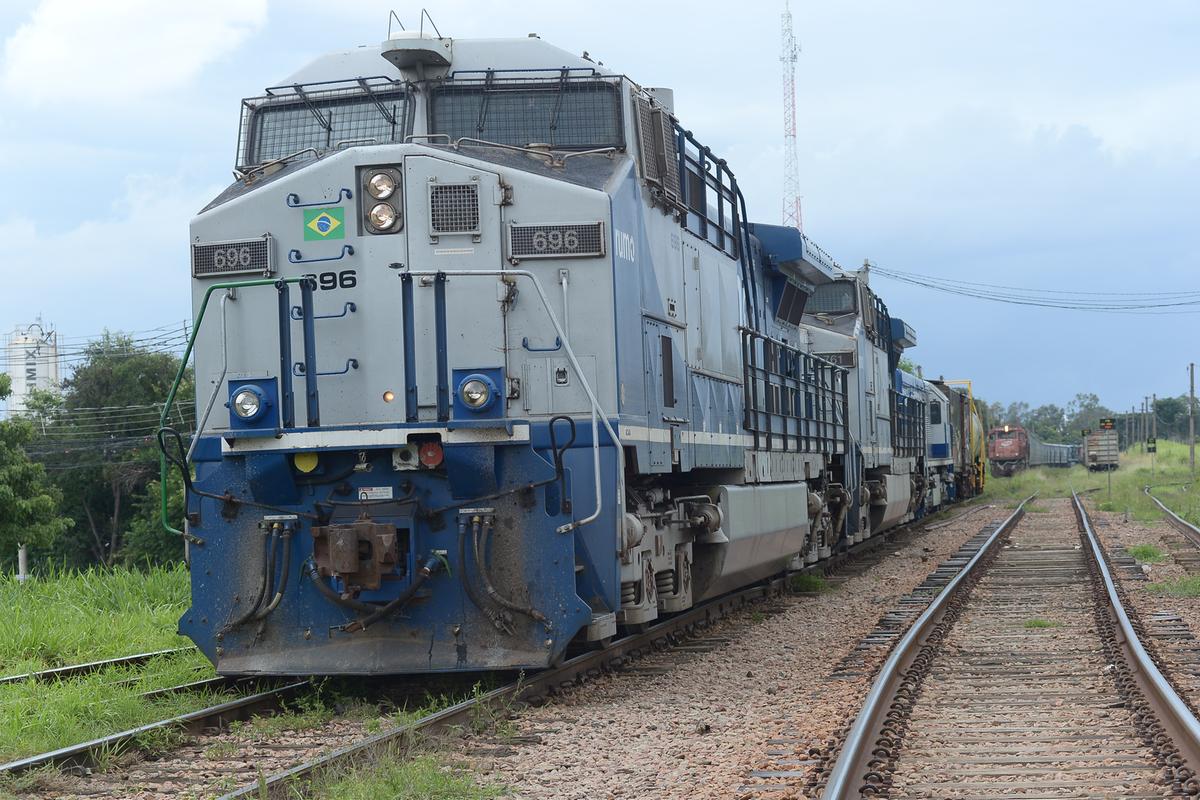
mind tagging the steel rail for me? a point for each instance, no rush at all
(847, 772)
(279, 786)
(1190, 531)
(1173, 712)
(85, 753)
(75, 670)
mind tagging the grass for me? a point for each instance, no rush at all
(392, 776)
(1147, 554)
(1187, 586)
(1171, 466)
(808, 583)
(37, 717)
(71, 617)
(1037, 622)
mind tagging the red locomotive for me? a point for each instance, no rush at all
(1011, 448)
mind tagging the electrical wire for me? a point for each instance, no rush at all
(1147, 303)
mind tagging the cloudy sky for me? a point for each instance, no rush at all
(1024, 143)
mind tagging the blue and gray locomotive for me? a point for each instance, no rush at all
(488, 361)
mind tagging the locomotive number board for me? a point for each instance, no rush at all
(237, 257)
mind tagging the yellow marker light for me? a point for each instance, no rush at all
(305, 462)
(389, 396)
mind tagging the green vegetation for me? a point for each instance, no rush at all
(37, 717)
(1188, 586)
(1041, 623)
(29, 502)
(72, 617)
(394, 777)
(1171, 467)
(1147, 554)
(95, 440)
(809, 583)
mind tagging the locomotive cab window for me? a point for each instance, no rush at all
(935, 413)
(322, 118)
(569, 114)
(833, 298)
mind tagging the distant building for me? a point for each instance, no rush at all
(31, 359)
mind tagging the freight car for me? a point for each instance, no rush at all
(489, 361)
(1012, 448)
(1101, 451)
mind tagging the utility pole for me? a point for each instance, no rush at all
(1192, 418)
(1145, 432)
(1153, 430)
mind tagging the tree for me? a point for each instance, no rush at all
(29, 502)
(1048, 422)
(1172, 417)
(1084, 412)
(99, 435)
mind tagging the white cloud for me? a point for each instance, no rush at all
(120, 50)
(127, 269)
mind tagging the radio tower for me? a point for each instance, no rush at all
(791, 171)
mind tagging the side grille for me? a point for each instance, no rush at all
(657, 148)
(239, 257)
(646, 144)
(556, 240)
(453, 208)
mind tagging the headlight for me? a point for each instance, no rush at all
(247, 403)
(381, 185)
(475, 393)
(382, 216)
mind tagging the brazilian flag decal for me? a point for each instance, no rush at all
(324, 223)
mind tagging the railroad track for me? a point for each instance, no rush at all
(1189, 531)
(1025, 678)
(82, 757)
(77, 670)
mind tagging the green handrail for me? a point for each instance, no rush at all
(187, 354)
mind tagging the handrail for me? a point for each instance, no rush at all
(842, 778)
(183, 363)
(597, 410)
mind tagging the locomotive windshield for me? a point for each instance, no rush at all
(566, 114)
(279, 125)
(833, 298)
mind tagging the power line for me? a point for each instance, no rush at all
(1023, 297)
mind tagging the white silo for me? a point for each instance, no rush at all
(32, 361)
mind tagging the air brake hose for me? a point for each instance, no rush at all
(501, 620)
(528, 611)
(334, 597)
(395, 605)
(285, 569)
(268, 544)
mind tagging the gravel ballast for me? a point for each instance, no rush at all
(695, 724)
